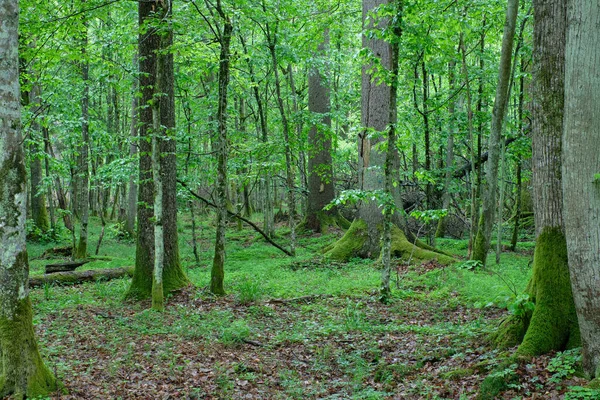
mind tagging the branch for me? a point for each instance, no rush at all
(256, 228)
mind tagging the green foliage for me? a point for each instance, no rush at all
(521, 306)
(235, 333)
(564, 365)
(582, 393)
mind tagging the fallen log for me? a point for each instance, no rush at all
(75, 277)
(67, 266)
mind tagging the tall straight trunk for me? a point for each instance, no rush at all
(391, 157)
(84, 190)
(581, 166)
(133, 189)
(486, 218)
(320, 165)
(427, 132)
(150, 42)
(48, 175)
(39, 212)
(217, 272)
(441, 228)
(22, 370)
(289, 167)
(473, 193)
(363, 237)
(517, 216)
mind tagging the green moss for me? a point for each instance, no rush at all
(351, 243)
(498, 380)
(553, 325)
(23, 373)
(402, 248)
(511, 331)
(480, 247)
(458, 374)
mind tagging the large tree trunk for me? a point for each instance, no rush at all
(553, 325)
(173, 275)
(581, 165)
(22, 371)
(320, 169)
(133, 190)
(486, 218)
(363, 238)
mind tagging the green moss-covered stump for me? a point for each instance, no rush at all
(352, 244)
(22, 371)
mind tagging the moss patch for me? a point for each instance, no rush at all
(553, 324)
(23, 373)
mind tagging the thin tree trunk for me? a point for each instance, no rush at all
(486, 219)
(84, 191)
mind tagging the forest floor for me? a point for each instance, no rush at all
(292, 329)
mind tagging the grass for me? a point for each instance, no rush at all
(341, 344)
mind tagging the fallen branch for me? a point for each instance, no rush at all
(298, 299)
(80, 276)
(466, 168)
(256, 228)
(67, 266)
(252, 343)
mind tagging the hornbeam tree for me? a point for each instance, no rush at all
(22, 371)
(363, 238)
(581, 172)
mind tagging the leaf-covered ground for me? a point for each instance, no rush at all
(294, 330)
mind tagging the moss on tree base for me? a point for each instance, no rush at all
(353, 242)
(23, 374)
(322, 221)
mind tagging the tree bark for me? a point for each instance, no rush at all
(22, 371)
(320, 167)
(486, 219)
(84, 190)
(363, 238)
(150, 43)
(581, 165)
(217, 272)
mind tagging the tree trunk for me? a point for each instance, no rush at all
(149, 46)
(217, 272)
(22, 371)
(581, 165)
(133, 189)
(320, 168)
(441, 228)
(39, 212)
(84, 190)
(486, 218)
(363, 238)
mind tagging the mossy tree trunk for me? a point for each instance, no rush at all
(22, 371)
(482, 242)
(150, 43)
(581, 165)
(553, 323)
(363, 237)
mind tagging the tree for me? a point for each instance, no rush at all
(151, 44)
(84, 190)
(580, 172)
(486, 217)
(553, 324)
(23, 374)
(362, 239)
(320, 169)
(217, 271)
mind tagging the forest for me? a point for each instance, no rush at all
(324, 199)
